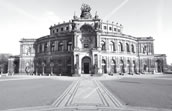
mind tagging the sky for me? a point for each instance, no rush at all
(32, 19)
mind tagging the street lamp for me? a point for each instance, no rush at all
(37, 68)
(43, 67)
(51, 66)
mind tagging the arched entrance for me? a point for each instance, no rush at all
(159, 67)
(113, 66)
(104, 66)
(16, 65)
(145, 67)
(122, 70)
(134, 67)
(86, 65)
(129, 66)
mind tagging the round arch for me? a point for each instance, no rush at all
(112, 46)
(104, 66)
(122, 70)
(113, 66)
(87, 29)
(134, 67)
(127, 47)
(159, 66)
(86, 65)
(129, 66)
(88, 36)
(120, 45)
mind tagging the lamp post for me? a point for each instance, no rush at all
(43, 67)
(37, 68)
(1, 69)
(139, 57)
(51, 66)
(139, 64)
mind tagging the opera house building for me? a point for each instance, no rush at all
(87, 45)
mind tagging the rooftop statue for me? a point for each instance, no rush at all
(85, 8)
(85, 12)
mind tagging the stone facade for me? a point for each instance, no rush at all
(24, 63)
(87, 45)
(27, 54)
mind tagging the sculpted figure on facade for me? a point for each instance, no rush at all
(85, 11)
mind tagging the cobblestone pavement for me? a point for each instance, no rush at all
(87, 94)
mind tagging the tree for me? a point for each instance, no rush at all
(4, 62)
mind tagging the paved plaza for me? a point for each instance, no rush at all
(86, 93)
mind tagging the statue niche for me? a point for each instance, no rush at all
(88, 36)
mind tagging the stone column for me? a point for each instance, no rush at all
(49, 47)
(65, 45)
(107, 45)
(117, 65)
(36, 68)
(75, 40)
(72, 64)
(99, 64)
(43, 68)
(56, 45)
(108, 65)
(76, 64)
(42, 48)
(95, 67)
(125, 65)
(152, 48)
(116, 46)
(21, 50)
(79, 64)
(98, 41)
(20, 65)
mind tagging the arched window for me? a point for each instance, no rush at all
(60, 46)
(103, 45)
(121, 47)
(127, 47)
(69, 46)
(40, 48)
(45, 47)
(132, 48)
(62, 29)
(112, 46)
(52, 46)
